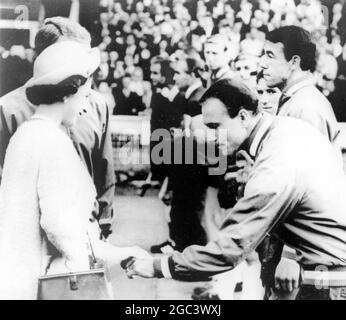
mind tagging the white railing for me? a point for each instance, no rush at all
(132, 125)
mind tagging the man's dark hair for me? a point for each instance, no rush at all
(296, 41)
(165, 68)
(192, 65)
(52, 93)
(234, 94)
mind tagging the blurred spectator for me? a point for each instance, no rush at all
(167, 110)
(106, 91)
(217, 58)
(103, 71)
(127, 101)
(246, 66)
(187, 205)
(15, 68)
(326, 72)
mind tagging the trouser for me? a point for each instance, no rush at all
(188, 185)
(269, 252)
(330, 284)
(310, 292)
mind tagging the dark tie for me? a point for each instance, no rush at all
(213, 77)
(283, 99)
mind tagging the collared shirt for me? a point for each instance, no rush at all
(257, 134)
(224, 73)
(304, 101)
(191, 89)
(296, 190)
(170, 94)
(91, 137)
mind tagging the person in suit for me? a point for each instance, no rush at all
(167, 112)
(283, 196)
(127, 102)
(187, 204)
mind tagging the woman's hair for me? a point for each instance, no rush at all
(52, 93)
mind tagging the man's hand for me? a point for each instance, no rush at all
(287, 275)
(142, 267)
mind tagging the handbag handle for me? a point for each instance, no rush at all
(73, 279)
(94, 260)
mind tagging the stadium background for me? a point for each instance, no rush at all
(130, 32)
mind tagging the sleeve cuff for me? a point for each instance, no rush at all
(289, 253)
(161, 267)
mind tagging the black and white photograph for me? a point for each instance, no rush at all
(173, 150)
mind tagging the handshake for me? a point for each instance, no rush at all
(139, 264)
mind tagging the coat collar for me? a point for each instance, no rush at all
(170, 94)
(190, 90)
(224, 72)
(257, 135)
(293, 87)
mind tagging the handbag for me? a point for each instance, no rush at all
(92, 284)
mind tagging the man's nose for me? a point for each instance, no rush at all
(263, 62)
(211, 135)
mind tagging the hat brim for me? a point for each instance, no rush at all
(85, 67)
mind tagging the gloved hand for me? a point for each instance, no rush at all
(105, 230)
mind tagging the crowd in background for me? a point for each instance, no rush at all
(130, 33)
(15, 66)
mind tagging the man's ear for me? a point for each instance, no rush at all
(295, 61)
(244, 115)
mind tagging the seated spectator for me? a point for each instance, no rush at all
(326, 72)
(136, 84)
(15, 69)
(143, 56)
(127, 102)
(129, 64)
(246, 66)
(106, 92)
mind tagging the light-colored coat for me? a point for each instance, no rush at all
(46, 197)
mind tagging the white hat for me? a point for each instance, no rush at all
(62, 60)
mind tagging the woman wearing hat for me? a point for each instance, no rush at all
(46, 193)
